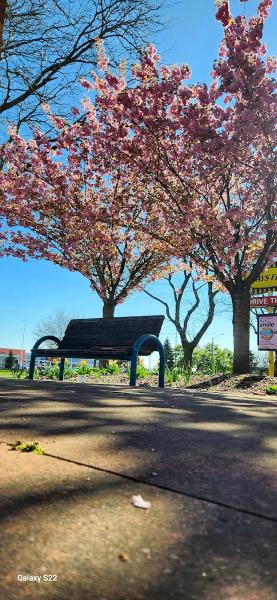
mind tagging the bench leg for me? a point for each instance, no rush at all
(32, 365)
(161, 370)
(61, 369)
(133, 370)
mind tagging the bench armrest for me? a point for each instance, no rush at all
(46, 337)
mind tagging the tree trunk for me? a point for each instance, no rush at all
(108, 313)
(187, 352)
(108, 310)
(241, 329)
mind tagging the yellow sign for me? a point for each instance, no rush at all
(267, 279)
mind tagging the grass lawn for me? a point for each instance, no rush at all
(6, 373)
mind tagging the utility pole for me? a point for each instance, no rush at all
(3, 8)
(271, 365)
(22, 346)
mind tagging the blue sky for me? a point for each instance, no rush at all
(33, 290)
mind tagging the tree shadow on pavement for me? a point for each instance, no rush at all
(198, 445)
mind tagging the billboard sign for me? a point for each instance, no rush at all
(267, 279)
(267, 332)
(260, 301)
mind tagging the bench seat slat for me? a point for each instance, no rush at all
(97, 353)
(97, 338)
(118, 334)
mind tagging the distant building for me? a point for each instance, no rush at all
(42, 361)
(20, 355)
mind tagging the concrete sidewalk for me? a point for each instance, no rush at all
(207, 462)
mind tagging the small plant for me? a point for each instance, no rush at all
(32, 446)
(168, 377)
(36, 373)
(19, 373)
(172, 375)
(113, 367)
(69, 372)
(50, 371)
(271, 390)
(186, 374)
(83, 368)
(178, 373)
(141, 371)
(96, 372)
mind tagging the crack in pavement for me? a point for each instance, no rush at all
(161, 487)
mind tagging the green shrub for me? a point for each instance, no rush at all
(113, 367)
(141, 371)
(36, 373)
(83, 368)
(69, 372)
(95, 372)
(20, 373)
(178, 374)
(172, 375)
(271, 389)
(49, 371)
(168, 377)
(186, 374)
(52, 372)
(212, 359)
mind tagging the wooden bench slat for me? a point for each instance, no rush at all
(90, 353)
(102, 337)
(121, 332)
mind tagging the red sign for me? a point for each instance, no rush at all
(259, 301)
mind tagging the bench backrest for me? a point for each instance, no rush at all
(119, 332)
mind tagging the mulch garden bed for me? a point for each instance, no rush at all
(249, 384)
(252, 384)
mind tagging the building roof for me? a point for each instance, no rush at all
(15, 351)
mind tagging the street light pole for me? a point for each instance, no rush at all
(22, 346)
(213, 361)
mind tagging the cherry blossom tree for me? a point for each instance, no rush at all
(198, 160)
(64, 211)
(243, 177)
(209, 152)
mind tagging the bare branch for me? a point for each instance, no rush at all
(46, 45)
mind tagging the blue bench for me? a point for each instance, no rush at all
(119, 338)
